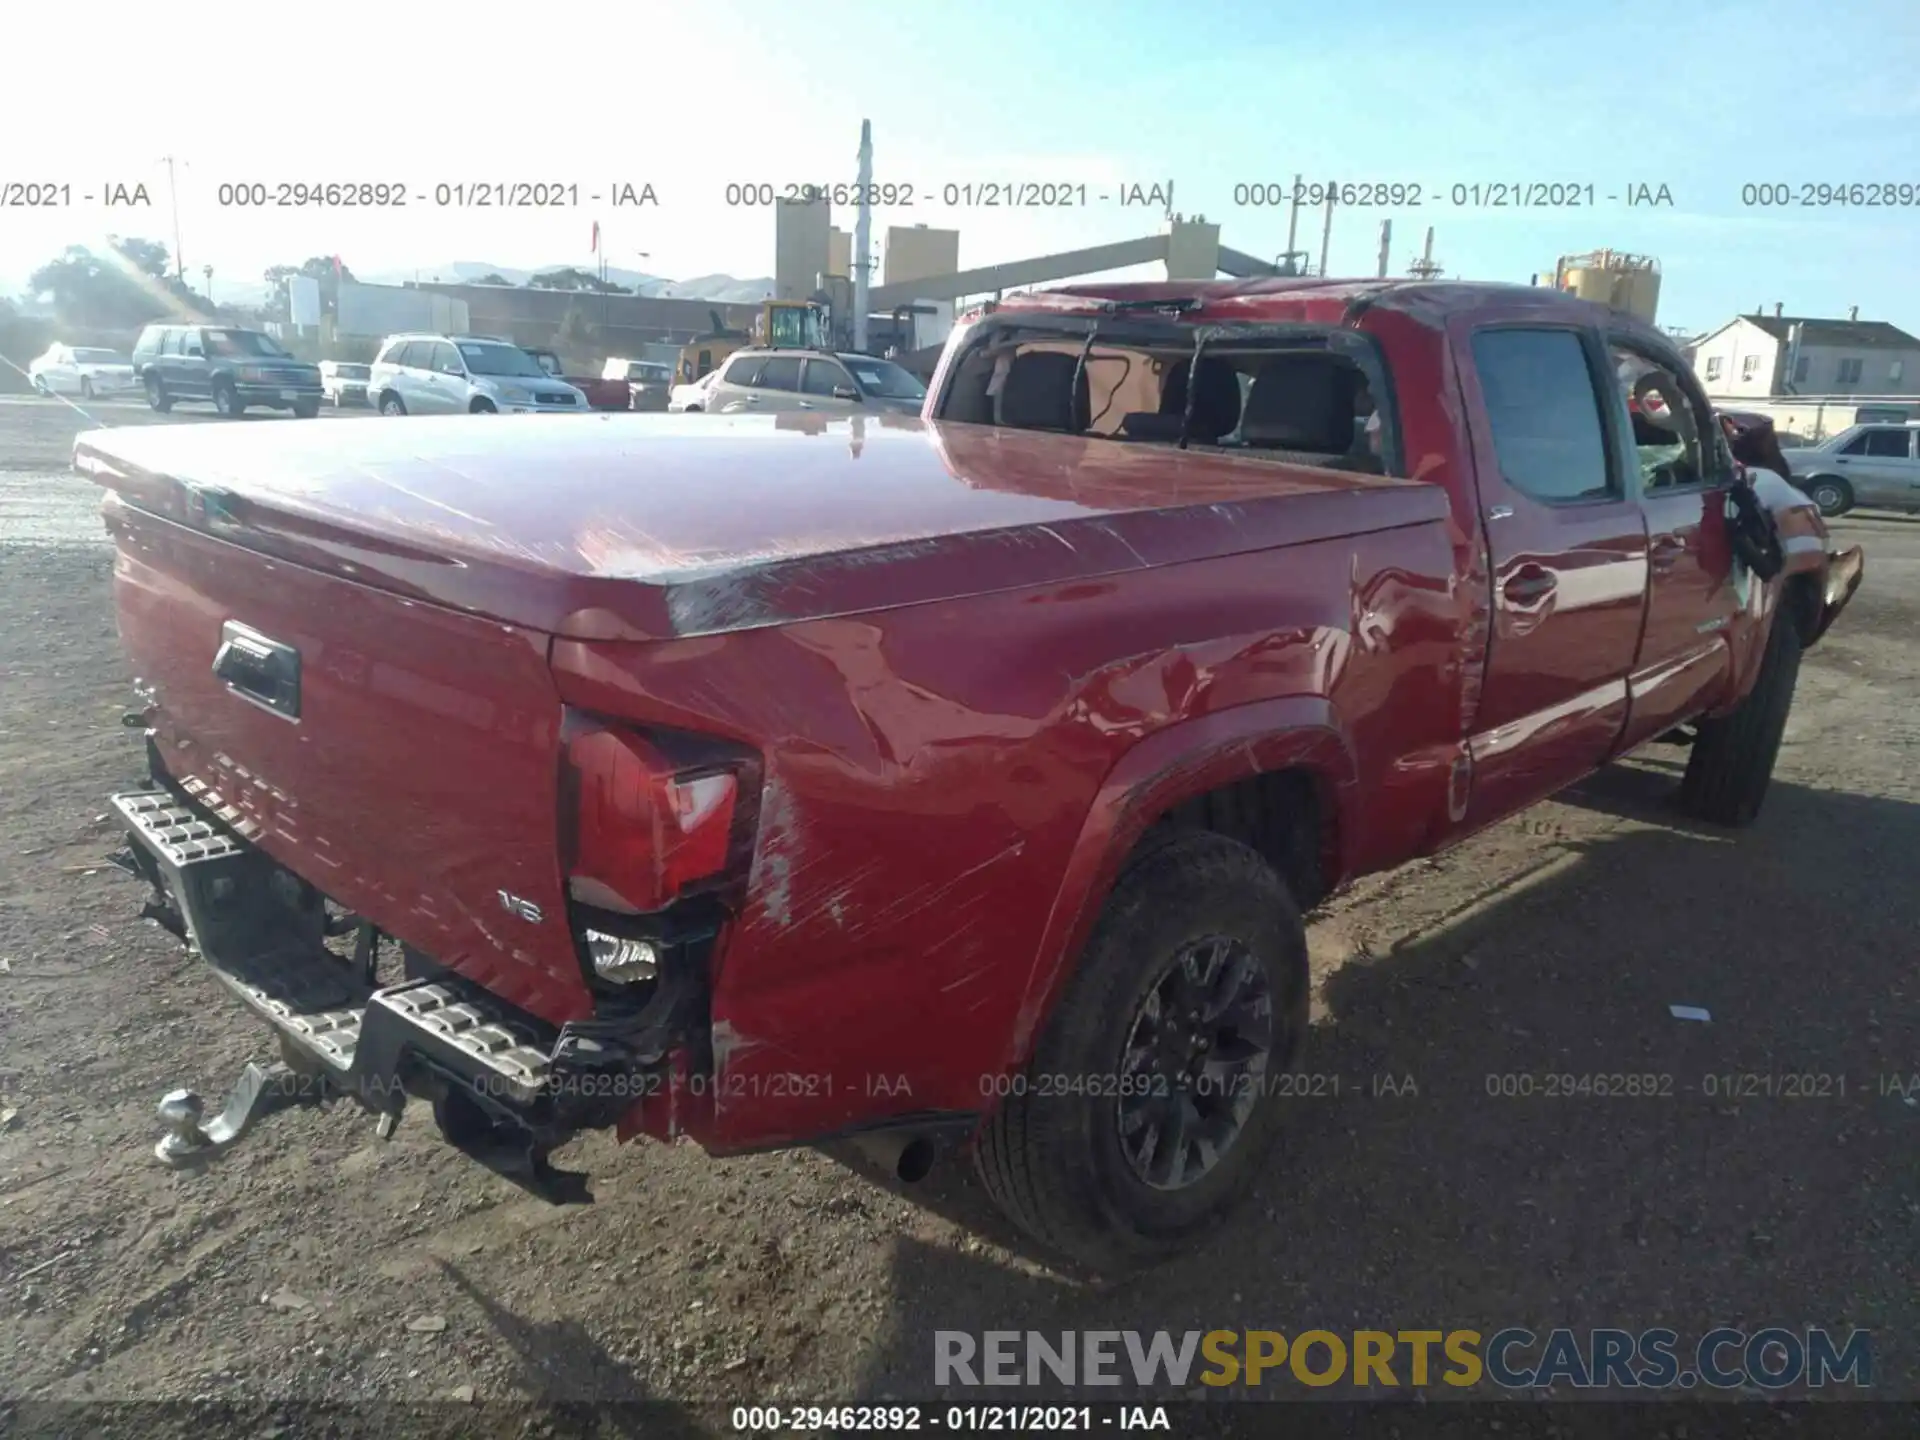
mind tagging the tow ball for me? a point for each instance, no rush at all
(261, 1090)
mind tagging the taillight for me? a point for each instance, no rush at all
(645, 827)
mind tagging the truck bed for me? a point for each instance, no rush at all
(642, 527)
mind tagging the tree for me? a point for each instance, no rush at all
(317, 267)
(128, 285)
(493, 277)
(570, 277)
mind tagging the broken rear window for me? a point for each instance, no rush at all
(1303, 394)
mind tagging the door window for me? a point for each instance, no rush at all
(1545, 414)
(780, 374)
(1671, 424)
(744, 371)
(1878, 444)
(444, 359)
(170, 343)
(823, 377)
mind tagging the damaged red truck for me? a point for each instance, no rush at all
(960, 780)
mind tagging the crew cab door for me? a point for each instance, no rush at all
(1680, 472)
(1567, 557)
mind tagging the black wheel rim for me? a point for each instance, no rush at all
(1193, 1061)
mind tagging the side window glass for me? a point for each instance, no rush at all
(823, 377)
(1857, 445)
(744, 371)
(781, 374)
(1545, 414)
(1887, 444)
(170, 342)
(444, 358)
(1673, 430)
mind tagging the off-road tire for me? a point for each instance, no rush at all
(226, 400)
(1053, 1161)
(1732, 760)
(1831, 494)
(157, 396)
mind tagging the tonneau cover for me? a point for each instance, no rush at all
(641, 526)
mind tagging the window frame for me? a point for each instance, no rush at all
(1717, 471)
(1622, 479)
(827, 367)
(760, 381)
(1841, 377)
(1713, 367)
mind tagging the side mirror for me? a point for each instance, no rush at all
(845, 392)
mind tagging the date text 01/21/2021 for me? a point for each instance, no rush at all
(1459, 195)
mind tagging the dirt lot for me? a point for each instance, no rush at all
(316, 1261)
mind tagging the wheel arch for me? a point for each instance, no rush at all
(1278, 775)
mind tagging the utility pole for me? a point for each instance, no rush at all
(1424, 268)
(1386, 245)
(1326, 231)
(173, 201)
(1293, 220)
(863, 239)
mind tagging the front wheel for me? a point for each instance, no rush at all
(391, 404)
(1154, 1094)
(157, 395)
(306, 409)
(1731, 764)
(226, 400)
(1832, 494)
(484, 407)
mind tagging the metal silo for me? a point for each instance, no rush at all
(1628, 283)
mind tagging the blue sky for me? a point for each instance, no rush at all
(1117, 92)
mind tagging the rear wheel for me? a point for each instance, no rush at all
(226, 400)
(86, 387)
(1152, 1100)
(391, 404)
(1731, 764)
(1833, 495)
(157, 395)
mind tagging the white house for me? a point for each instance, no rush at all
(1765, 355)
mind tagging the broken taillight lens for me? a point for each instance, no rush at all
(644, 829)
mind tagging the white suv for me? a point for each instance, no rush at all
(464, 374)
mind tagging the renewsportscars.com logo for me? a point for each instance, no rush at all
(1774, 1358)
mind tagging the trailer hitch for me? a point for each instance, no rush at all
(260, 1091)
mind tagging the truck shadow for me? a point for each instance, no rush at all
(1515, 1130)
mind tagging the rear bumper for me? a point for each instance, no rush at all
(506, 1087)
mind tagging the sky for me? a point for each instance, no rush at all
(1107, 94)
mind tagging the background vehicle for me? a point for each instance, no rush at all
(779, 325)
(602, 392)
(81, 370)
(463, 374)
(692, 395)
(1873, 465)
(772, 381)
(230, 367)
(997, 755)
(649, 383)
(343, 382)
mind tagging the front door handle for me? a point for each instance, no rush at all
(1530, 586)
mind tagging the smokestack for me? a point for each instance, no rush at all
(1293, 220)
(1853, 313)
(863, 239)
(1326, 232)
(1776, 309)
(1386, 245)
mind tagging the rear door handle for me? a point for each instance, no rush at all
(1530, 586)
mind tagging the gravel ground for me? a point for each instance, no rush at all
(316, 1261)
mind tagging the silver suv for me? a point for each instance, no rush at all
(464, 374)
(771, 382)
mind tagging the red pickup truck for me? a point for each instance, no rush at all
(952, 779)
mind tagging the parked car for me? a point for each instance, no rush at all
(81, 370)
(964, 784)
(233, 368)
(463, 374)
(602, 392)
(1872, 465)
(649, 383)
(343, 382)
(767, 381)
(691, 396)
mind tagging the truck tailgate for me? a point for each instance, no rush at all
(408, 771)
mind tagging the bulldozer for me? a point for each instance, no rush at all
(780, 325)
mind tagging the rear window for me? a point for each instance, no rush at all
(743, 371)
(1544, 413)
(1300, 394)
(780, 374)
